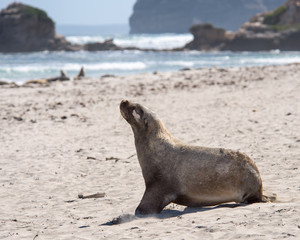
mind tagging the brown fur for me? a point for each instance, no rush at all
(187, 175)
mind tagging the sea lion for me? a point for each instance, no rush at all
(193, 176)
(80, 75)
(63, 77)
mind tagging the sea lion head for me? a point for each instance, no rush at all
(141, 118)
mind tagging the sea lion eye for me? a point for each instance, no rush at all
(144, 118)
(146, 123)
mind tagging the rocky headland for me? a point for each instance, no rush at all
(277, 29)
(177, 16)
(27, 29)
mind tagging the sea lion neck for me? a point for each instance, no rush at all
(148, 146)
(155, 133)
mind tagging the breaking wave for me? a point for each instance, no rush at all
(24, 66)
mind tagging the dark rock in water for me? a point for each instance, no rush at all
(98, 46)
(207, 37)
(25, 29)
(177, 16)
(254, 36)
(278, 29)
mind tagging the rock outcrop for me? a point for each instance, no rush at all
(278, 29)
(27, 29)
(102, 46)
(177, 16)
(207, 37)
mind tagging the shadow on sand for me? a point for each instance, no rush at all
(168, 213)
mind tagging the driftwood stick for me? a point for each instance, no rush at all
(96, 195)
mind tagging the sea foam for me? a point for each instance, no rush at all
(25, 66)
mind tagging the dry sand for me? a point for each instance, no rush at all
(69, 138)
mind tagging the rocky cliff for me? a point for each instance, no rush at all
(27, 29)
(277, 29)
(177, 16)
(24, 29)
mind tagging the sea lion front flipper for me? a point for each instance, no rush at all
(153, 201)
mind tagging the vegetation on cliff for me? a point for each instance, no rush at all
(35, 13)
(273, 18)
(285, 17)
(280, 27)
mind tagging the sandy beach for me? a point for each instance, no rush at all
(68, 139)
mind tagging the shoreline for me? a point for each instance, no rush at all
(69, 139)
(41, 66)
(65, 78)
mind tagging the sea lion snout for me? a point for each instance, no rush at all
(124, 103)
(134, 114)
(124, 109)
(128, 111)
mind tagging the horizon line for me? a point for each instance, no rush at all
(93, 25)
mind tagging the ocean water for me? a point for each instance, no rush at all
(26, 66)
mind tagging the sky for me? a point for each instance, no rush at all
(82, 12)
